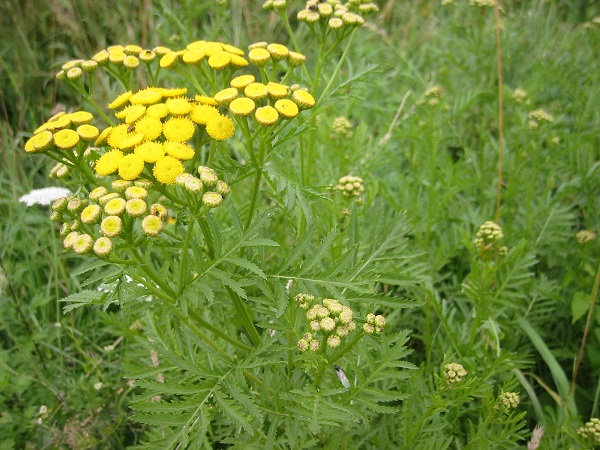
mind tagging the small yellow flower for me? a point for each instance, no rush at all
(225, 96)
(259, 56)
(117, 134)
(75, 73)
(219, 60)
(39, 142)
(98, 192)
(61, 122)
(256, 91)
(179, 150)
(211, 199)
(119, 186)
(88, 132)
(196, 45)
(150, 151)
(178, 106)
(131, 62)
(210, 48)
(222, 188)
(143, 183)
(131, 141)
(201, 114)
(278, 51)
(120, 100)
(101, 57)
(233, 50)
(130, 166)
(166, 170)
(286, 108)
(115, 207)
(136, 192)
(108, 197)
(169, 60)
(132, 49)
(159, 210)
(193, 56)
(116, 56)
(66, 139)
(242, 106)
(178, 129)
(161, 50)
(152, 225)
(277, 90)
(70, 239)
(208, 176)
(147, 56)
(111, 226)
(266, 115)
(103, 136)
(103, 247)
(238, 61)
(242, 81)
(89, 66)
(193, 185)
(82, 244)
(150, 127)
(296, 59)
(220, 128)
(261, 44)
(174, 92)
(148, 96)
(91, 214)
(205, 100)
(136, 207)
(80, 117)
(303, 99)
(157, 111)
(134, 113)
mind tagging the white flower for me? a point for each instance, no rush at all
(44, 196)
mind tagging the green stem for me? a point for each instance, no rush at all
(183, 266)
(338, 67)
(244, 316)
(256, 188)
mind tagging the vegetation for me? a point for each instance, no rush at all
(412, 262)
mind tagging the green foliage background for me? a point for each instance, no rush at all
(430, 180)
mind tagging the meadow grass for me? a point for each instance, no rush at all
(419, 89)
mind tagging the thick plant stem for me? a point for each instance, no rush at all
(244, 316)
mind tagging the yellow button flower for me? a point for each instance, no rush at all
(259, 56)
(266, 115)
(88, 132)
(130, 166)
(111, 226)
(277, 90)
(201, 114)
(121, 100)
(242, 106)
(166, 170)
(256, 91)
(131, 141)
(39, 142)
(303, 99)
(91, 214)
(115, 207)
(136, 192)
(150, 127)
(242, 81)
(219, 60)
(179, 150)
(80, 117)
(169, 60)
(226, 95)
(220, 128)
(136, 207)
(157, 111)
(66, 139)
(148, 96)
(152, 225)
(150, 151)
(278, 51)
(286, 108)
(179, 129)
(178, 106)
(103, 247)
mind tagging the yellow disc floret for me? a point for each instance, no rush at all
(178, 129)
(130, 166)
(166, 170)
(109, 162)
(220, 127)
(66, 139)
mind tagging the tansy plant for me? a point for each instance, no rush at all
(180, 189)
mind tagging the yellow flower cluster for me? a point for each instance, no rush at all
(217, 55)
(539, 115)
(591, 430)
(454, 373)
(157, 125)
(207, 186)
(93, 223)
(262, 53)
(268, 102)
(509, 400)
(488, 238)
(342, 127)
(62, 132)
(335, 14)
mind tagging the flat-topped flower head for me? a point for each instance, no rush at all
(179, 150)
(169, 60)
(242, 81)
(88, 132)
(152, 225)
(150, 127)
(278, 52)
(208, 176)
(136, 207)
(256, 91)
(111, 226)
(131, 166)
(82, 244)
(266, 115)
(178, 106)
(166, 170)
(222, 188)
(121, 100)
(242, 107)
(80, 117)
(220, 127)
(147, 56)
(131, 141)
(120, 186)
(225, 96)
(103, 247)
(201, 114)
(157, 111)
(211, 199)
(39, 142)
(219, 60)
(277, 90)
(107, 198)
(66, 139)
(131, 62)
(96, 193)
(159, 210)
(286, 108)
(115, 207)
(148, 96)
(70, 239)
(303, 99)
(91, 214)
(136, 192)
(259, 56)
(296, 59)
(178, 129)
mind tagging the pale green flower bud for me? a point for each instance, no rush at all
(152, 225)
(83, 244)
(103, 247)
(212, 199)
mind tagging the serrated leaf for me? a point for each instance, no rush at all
(232, 411)
(248, 265)
(83, 298)
(229, 282)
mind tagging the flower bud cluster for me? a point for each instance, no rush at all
(342, 127)
(206, 186)
(216, 55)
(157, 124)
(539, 115)
(519, 95)
(584, 236)
(62, 132)
(92, 223)
(454, 373)
(337, 15)
(488, 238)
(591, 430)
(431, 96)
(509, 400)
(374, 324)
(329, 318)
(350, 186)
